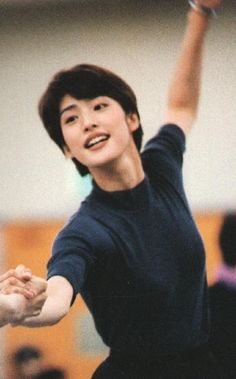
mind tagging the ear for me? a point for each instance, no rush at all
(132, 121)
(67, 152)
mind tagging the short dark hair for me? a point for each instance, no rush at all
(84, 81)
(227, 239)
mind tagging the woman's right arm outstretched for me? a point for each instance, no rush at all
(57, 305)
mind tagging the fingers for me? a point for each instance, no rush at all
(37, 284)
(13, 281)
(8, 274)
(23, 272)
(21, 281)
(18, 288)
(20, 273)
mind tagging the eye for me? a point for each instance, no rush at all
(99, 106)
(71, 119)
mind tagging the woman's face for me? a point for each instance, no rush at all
(96, 131)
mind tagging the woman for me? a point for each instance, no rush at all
(132, 250)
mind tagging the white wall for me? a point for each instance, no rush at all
(138, 40)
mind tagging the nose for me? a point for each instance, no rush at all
(88, 122)
(89, 127)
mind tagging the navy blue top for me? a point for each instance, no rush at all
(137, 259)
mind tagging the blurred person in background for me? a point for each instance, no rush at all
(27, 362)
(223, 299)
(51, 373)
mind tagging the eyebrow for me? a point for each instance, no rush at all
(72, 106)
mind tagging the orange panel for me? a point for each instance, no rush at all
(209, 226)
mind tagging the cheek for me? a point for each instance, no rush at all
(123, 135)
(71, 138)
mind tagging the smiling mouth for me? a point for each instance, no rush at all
(95, 141)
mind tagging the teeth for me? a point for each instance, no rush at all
(96, 140)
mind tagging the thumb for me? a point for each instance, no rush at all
(23, 272)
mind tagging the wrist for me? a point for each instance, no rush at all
(14, 307)
(6, 310)
(206, 11)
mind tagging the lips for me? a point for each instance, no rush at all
(95, 140)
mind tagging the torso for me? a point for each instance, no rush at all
(146, 285)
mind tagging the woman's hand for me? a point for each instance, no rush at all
(20, 308)
(21, 281)
(15, 281)
(22, 295)
(214, 4)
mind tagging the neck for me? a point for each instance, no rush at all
(117, 176)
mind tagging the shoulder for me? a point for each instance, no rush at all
(168, 135)
(166, 147)
(84, 231)
(77, 226)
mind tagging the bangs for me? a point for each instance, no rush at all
(87, 85)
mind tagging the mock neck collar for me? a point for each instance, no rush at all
(132, 199)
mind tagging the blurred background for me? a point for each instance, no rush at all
(40, 189)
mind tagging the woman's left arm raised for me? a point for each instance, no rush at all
(184, 89)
